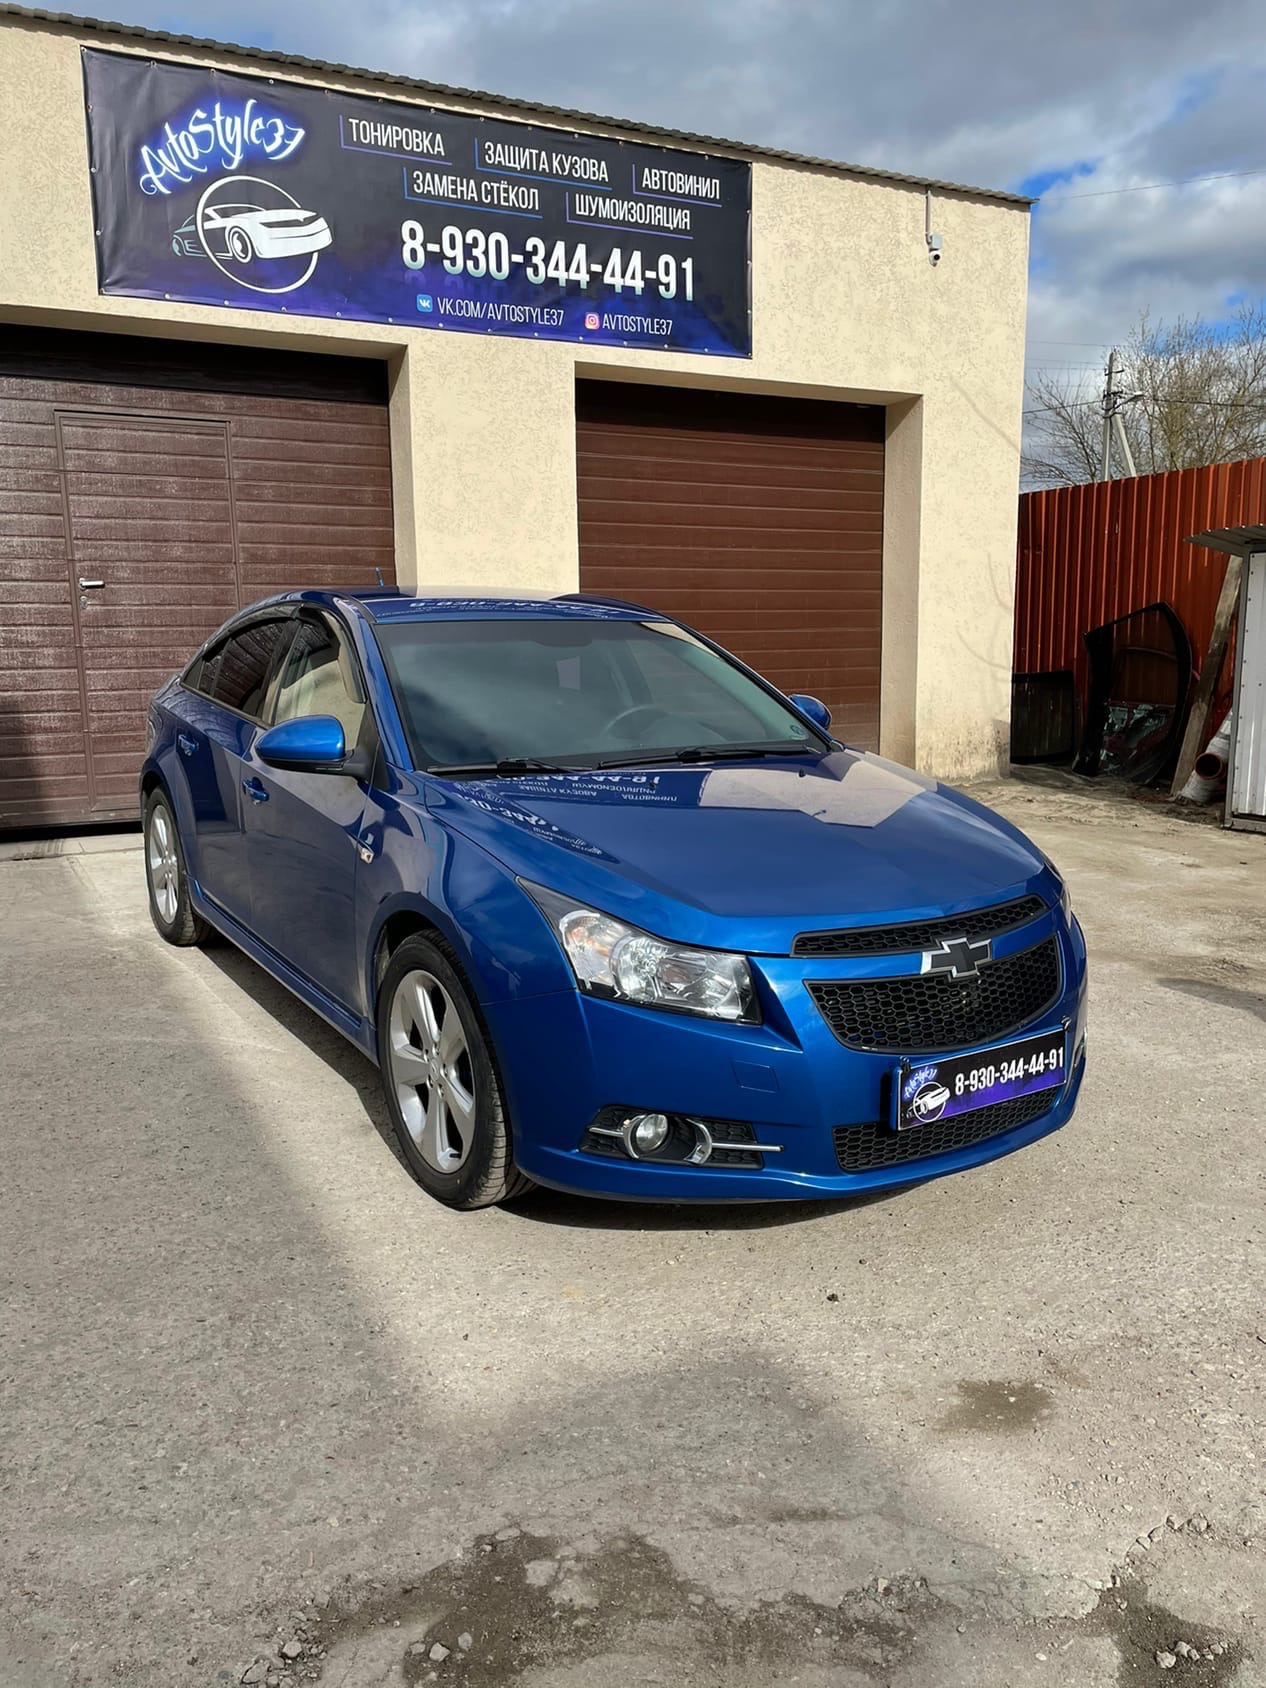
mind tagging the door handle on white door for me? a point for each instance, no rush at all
(90, 585)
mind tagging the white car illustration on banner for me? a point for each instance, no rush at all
(255, 233)
(245, 232)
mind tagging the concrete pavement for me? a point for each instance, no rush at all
(256, 1390)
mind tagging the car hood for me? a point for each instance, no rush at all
(746, 855)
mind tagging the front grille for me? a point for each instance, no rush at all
(866, 1148)
(921, 934)
(926, 1014)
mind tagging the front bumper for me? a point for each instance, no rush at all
(565, 1057)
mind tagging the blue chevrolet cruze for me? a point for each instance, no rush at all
(607, 910)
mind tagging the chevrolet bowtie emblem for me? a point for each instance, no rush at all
(959, 958)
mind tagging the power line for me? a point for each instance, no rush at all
(1162, 402)
(1151, 187)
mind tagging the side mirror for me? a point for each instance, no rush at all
(816, 711)
(311, 744)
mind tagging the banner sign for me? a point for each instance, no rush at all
(218, 189)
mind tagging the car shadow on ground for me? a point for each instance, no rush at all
(543, 1206)
(310, 1029)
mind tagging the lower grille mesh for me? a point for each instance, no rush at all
(865, 1148)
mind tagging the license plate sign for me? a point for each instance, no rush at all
(950, 1085)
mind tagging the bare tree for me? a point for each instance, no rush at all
(1190, 393)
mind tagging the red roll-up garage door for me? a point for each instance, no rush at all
(146, 492)
(757, 520)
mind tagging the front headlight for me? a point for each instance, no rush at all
(624, 964)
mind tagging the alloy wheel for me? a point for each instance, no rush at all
(163, 864)
(431, 1071)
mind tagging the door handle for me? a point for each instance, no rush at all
(90, 585)
(186, 744)
(255, 790)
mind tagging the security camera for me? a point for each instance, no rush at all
(934, 249)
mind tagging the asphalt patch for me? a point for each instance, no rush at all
(1141, 1629)
(527, 1602)
(999, 1407)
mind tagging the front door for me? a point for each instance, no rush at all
(302, 829)
(150, 547)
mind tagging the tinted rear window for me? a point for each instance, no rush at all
(235, 671)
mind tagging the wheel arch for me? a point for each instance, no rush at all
(402, 923)
(415, 918)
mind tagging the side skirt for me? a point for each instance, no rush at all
(357, 1031)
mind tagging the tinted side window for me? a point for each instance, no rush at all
(318, 677)
(235, 672)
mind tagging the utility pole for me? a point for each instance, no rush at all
(1113, 426)
(1105, 450)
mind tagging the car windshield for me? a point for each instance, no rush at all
(575, 693)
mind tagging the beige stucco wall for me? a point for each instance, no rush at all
(846, 305)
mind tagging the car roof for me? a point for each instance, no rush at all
(389, 604)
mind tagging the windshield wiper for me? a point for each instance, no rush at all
(710, 753)
(511, 767)
(507, 768)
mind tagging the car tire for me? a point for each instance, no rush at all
(167, 877)
(440, 1080)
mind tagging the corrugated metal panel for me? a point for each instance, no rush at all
(757, 520)
(1088, 554)
(1248, 771)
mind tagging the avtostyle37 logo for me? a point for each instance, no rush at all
(253, 231)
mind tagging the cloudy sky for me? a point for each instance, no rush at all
(1071, 99)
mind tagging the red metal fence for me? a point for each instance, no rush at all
(1088, 554)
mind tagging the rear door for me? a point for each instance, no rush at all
(302, 832)
(225, 692)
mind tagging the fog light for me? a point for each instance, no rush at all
(645, 1134)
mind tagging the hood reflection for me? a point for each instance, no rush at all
(844, 789)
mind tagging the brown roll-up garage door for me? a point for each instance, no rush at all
(757, 520)
(187, 483)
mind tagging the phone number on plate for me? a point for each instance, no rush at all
(1007, 1072)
